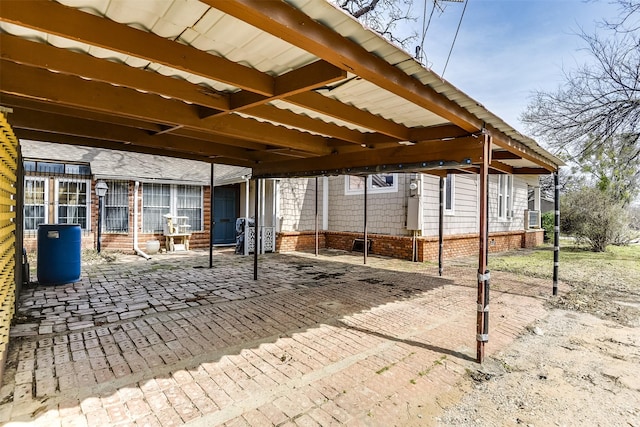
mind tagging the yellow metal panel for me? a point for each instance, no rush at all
(8, 171)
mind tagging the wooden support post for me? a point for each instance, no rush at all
(441, 228)
(482, 323)
(556, 232)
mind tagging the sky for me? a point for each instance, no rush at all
(508, 49)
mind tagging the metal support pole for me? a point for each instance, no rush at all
(98, 245)
(482, 322)
(487, 246)
(212, 183)
(556, 232)
(256, 240)
(441, 228)
(317, 234)
(366, 241)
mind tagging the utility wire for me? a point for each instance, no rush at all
(454, 38)
(425, 28)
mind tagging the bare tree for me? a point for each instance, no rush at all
(598, 106)
(383, 16)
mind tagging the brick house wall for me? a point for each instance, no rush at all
(123, 242)
(401, 246)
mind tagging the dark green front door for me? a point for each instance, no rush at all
(225, 213)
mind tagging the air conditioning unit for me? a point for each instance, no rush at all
(531, 219)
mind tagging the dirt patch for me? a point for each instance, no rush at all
(578, 365)
(578, 370)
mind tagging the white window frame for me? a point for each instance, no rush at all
(370, 188)
(56, 196)
(46, 199)
(452, 209)
(505, 197)
(173, 204)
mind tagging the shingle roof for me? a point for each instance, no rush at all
(107, 163)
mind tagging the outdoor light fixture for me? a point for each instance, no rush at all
(101, 191)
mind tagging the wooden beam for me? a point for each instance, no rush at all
(505, 155)
(54, 18)
(40, 55)
(152, 128)
(51, 123)
(100, 97)
(290, 24)
(336, 109)
(462, 151)
(286, 117)
(531, 171)
(501, 167)
(111, 145)
(308, 77)
(502, 141)
(440, 132)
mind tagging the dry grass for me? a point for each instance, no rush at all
(606, 284)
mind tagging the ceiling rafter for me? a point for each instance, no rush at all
(152, 128)
(466, 151)
(294, 83)
(65, 61)
(334, 108)
(130, 41)
(55, 18)
(24, 117)
(157, 112)
(100, 143)
(73, 91)
(33, 120)
(284, 21)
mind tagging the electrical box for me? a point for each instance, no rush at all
(414, 213)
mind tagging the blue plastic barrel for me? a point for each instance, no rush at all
(59, 248)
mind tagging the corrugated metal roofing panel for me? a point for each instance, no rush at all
(207, 29)
(315, 115)
(375, 100)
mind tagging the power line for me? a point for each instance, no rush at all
(454, 38)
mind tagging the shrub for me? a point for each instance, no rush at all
(548, 223)
(593, 218)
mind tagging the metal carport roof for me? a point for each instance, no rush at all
(288, 88)
(282, 87)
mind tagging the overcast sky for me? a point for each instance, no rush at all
(507, 49)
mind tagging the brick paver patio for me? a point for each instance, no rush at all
(315, 341)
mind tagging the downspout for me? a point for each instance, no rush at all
(136, 248)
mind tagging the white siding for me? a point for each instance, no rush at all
(298, 204)
(386, 212)
(515, 223)
(464, 219)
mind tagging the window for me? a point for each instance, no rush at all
(377, 183)
(116, 207)
(73, 202)
(449, 194)
(189, 203)
(156, 201)
(505, 196)
(180, 200)
(35, 203)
